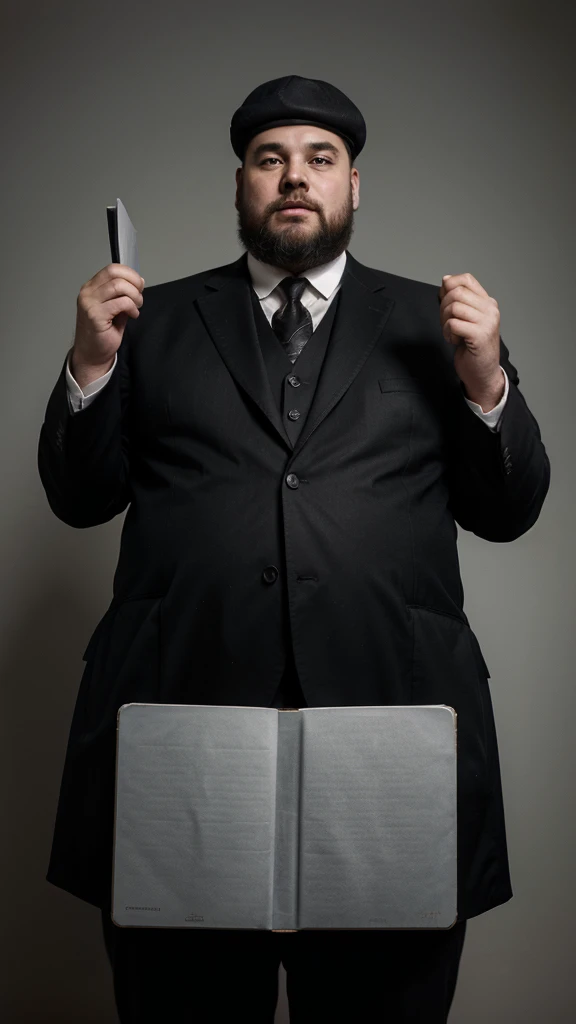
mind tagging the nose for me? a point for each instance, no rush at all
(294, 177)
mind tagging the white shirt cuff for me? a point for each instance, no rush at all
(81, 398)
(491, 418)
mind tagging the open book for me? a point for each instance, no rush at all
(239, 817)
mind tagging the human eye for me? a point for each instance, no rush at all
(270, 160)
(320, 160)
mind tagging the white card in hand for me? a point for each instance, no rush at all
(122, 233)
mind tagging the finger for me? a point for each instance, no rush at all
(122, 305)
(102, 313)
(461, 311)
(467, 296)
(455, 330)
(114, 288)
(450, 281)
(128, 273)
(116, 270)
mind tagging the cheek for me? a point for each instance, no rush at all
(337, 210)
(335, 196)
(258, 194)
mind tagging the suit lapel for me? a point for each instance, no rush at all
(229, 318)
(363, 310)
(227, 312)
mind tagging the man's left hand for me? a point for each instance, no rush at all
(471, 321)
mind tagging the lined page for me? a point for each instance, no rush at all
(378, 818)
(195, 817)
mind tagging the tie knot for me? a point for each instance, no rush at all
(293, 287)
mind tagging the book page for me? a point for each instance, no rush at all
(195, 816)
(378, 818)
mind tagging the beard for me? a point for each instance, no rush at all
(291, 248)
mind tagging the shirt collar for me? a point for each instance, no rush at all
(325, 279)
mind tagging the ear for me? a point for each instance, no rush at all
(355, 185)
(238, 185)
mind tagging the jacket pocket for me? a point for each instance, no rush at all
(98, 631)
(445, 670)
(482, 666)
(123, 659)
(388, 384)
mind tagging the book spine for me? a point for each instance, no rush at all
(285, 896)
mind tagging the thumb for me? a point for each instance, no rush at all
(442, 289)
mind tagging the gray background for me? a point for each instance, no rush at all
(469, 166)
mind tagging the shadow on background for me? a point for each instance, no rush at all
(54, 962)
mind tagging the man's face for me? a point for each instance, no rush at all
(296, 195)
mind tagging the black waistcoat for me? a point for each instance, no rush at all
(293, 384)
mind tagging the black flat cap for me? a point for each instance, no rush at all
(295, 100)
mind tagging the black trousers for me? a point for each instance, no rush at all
(168, 976)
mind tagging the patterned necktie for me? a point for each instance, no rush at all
(293, 324)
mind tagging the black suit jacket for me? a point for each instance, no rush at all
(359, 516)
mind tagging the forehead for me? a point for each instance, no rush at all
(296, 138)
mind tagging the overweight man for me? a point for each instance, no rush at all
(295, 438)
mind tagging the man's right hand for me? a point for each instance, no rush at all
(104, 304)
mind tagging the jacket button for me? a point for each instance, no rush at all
(294, 380)
(294, 414)
(270, 574)
(292, 481)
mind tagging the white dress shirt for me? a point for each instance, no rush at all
(323, 284)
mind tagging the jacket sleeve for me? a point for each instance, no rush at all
(498, 479)
(83, 457)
